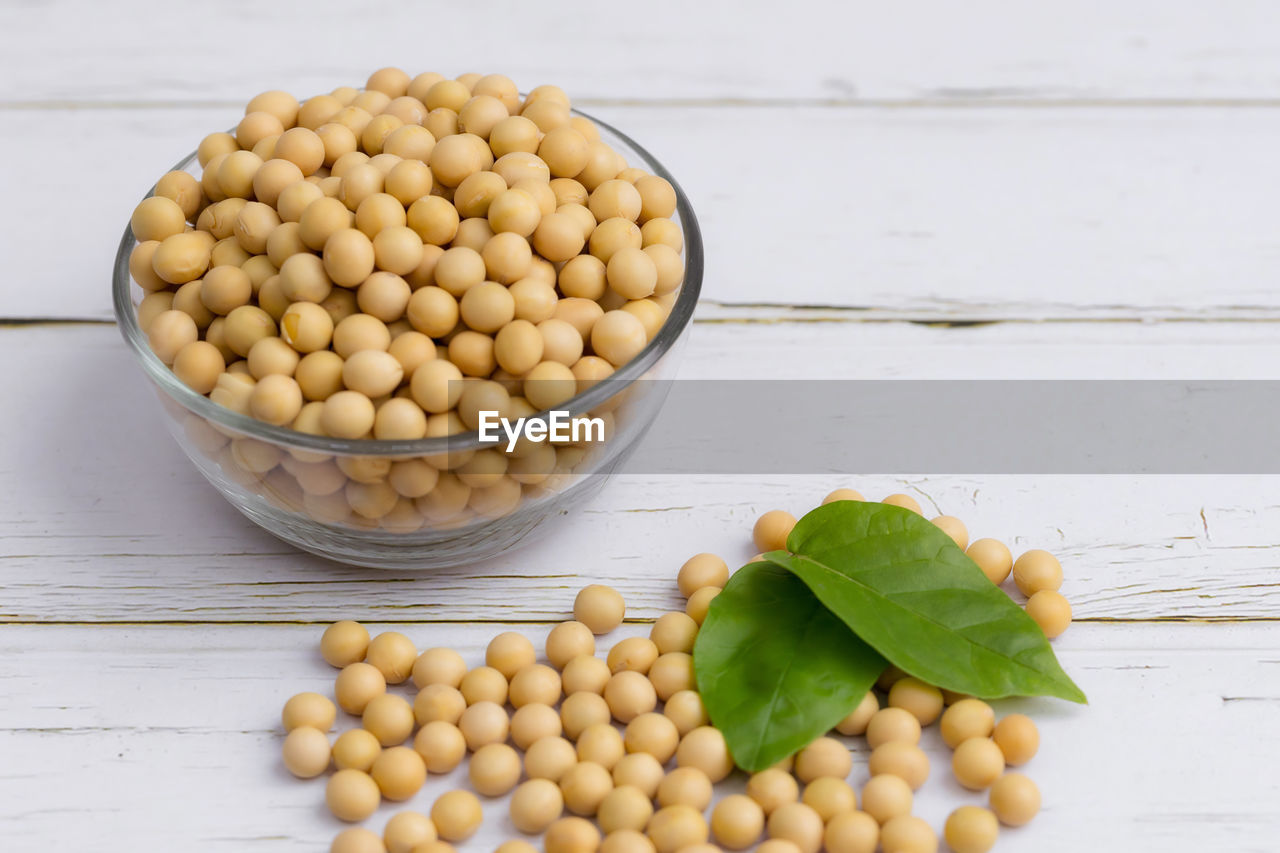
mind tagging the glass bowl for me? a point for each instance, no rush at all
(427, 503)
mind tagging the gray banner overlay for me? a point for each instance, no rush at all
(960, 427)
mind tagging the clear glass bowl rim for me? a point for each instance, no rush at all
(160, 373)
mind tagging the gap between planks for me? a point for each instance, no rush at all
(715, 312)
(959, 99)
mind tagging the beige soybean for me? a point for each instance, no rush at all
(892, 724)
(271, 356)
(494, 769)
(534, 683)
(1014, 799)
(825, 756)
(624, 808)
(573, 835)
(550, 758)
(348, 257)
(441, 745)
(965, 719)
(702, 570)
(344, 642)
(393, 654)
(772, 788)
(772, 529)
(673, 632)
(534, 721)
(618, 336)
(156, 218)
(356, 685)
(705, 749)
(360, 332)
(971, 829)
(908, 834)
(399, 773)
(884, 797)
(558, 237)
(169, 332)
(677, 827)
(567, 641)
(384, 295)
(535, 805)
(198, 364)
(629, 694)
(406, 830)
(306, 327)
(276, 399)
(319, 375)
(601, 744)
(255, 223)
(584, 786)
(685, 785)
(352, 795)
(507, 258)
(654, 734)
(457, 815)
(700, 602)
(1018, 739)
(487, 307)
(483, 723)
(852, 832)
(898, 758)
(356, 749)
(636, 654)
(439, 666)
(182, 257)
(585, 674)
(389, 718)
(799, 824)
(639, 770)
(993, 557)
(580, 711)
(1050, 610)
(510, 652)
(829, 796)
(1037, 570)
(671, 673)
(142, 271)
(438, 702)
(357, 839)
(977, 763)
(310, 710)
(600, 608)
(921, 700)
(484, 684)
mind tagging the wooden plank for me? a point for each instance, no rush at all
(102, 519)
(1136, 49)
(926, 214)
(166, 737)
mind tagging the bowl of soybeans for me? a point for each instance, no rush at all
(402, 325)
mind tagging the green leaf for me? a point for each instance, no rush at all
(904, 587)
(775, 668)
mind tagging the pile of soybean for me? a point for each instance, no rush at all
(342, 264)
(615, 754)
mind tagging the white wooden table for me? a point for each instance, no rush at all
(989, 189)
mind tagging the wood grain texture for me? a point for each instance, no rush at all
(108, 522)
(82, 51)
(937, 214)
(186, 722)
(963, 163)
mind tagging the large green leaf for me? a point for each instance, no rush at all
(907, 589)
(775, 668)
